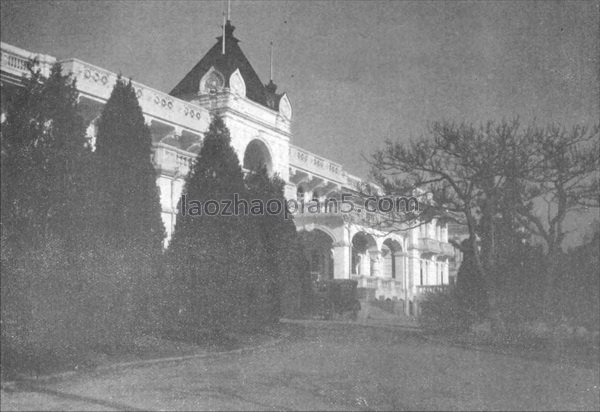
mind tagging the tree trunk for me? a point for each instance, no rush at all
(552, 272)
(486, 276)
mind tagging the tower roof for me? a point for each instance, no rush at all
(227, 64)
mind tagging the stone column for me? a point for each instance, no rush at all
(412, 278)
(375, 263)
(445, 278)
(433, 271)
(399, 266)
(365, 264)
(430, 277)
(445, 233)
(341, 261)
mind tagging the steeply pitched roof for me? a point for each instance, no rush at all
(226, 64)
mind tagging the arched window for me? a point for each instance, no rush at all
(257, 156)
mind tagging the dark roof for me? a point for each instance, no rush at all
(226, 64)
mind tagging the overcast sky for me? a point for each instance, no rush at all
(356, 72)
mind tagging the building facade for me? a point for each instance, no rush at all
(397, 265)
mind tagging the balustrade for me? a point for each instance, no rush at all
(422, 289)
(447, 249)
(14, 61)
(315, 164)
(388, 287)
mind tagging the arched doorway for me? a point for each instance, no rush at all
(364, 250)
(256, 156)
(318, 247)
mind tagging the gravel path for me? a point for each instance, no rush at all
(332, 367)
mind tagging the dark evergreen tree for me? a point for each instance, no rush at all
(44, 194)
(289, 278)
(125, 175)
(43, 159)
(217, 261)
(126, 222)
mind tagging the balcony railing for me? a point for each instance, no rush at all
(361, 216)
(365, 281)
(316, 165)
(423, 289)
(358, 215)
(172, 161)
(429, 245)
(387, 284)
(447, 249)
(435, 247)
(373, 282)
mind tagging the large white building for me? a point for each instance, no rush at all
(399, 265)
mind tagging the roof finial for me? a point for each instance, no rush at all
(271, 63)
(223, 42)
(228, 10)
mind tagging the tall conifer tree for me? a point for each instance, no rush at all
(127, 219)
(217, 260)
(125, 175)
(44, 193)
(288, 276)
(43, 160)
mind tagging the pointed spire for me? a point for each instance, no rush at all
(271, 64)
(228, 28)
(271, 87)
(226, 57)
(223, 42)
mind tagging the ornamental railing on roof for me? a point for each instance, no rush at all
(98, 83)
(316, 165)
(14, 61)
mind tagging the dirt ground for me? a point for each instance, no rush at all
(327, 367)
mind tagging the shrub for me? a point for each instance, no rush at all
(40, 309)
(442, 312)
(336, 296)
(343, 294)
(109, 298)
